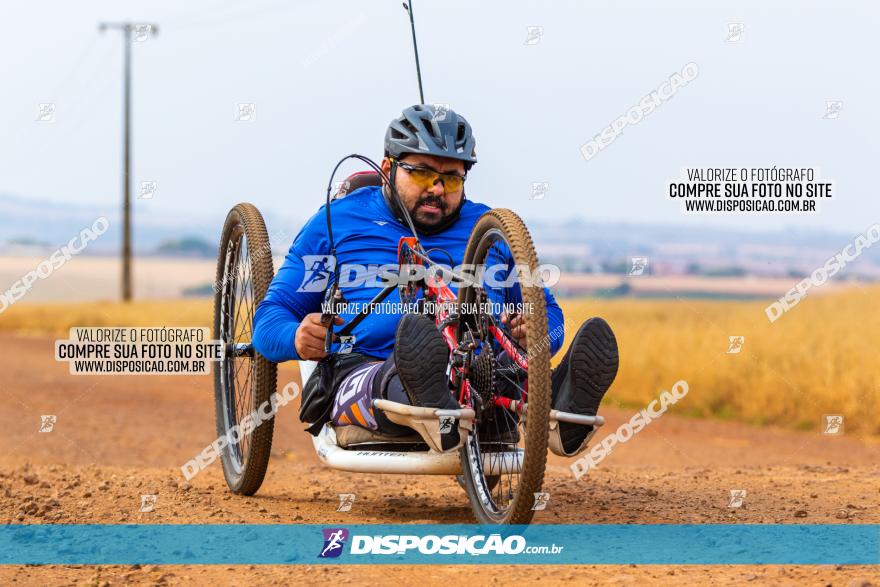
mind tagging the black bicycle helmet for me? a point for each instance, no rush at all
(431, 130)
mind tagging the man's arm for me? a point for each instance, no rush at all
(555, 321)
(285, 307)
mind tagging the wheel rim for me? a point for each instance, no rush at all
(237, 375)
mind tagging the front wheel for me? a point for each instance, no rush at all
(243, 380)
(504, 457)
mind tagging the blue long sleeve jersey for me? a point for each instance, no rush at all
(365, 233)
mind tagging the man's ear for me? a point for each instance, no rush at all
(385, 165)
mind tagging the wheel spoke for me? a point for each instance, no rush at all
(239, 370)
(245, 368)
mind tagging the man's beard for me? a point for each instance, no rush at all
(438, 224)
(426, 218)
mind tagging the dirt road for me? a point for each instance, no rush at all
(117, 438)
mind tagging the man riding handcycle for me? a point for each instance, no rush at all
(468, 351)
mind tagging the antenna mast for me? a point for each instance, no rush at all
(412, 23)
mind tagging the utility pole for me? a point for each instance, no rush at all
(141, 31)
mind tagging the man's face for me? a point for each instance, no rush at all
(427, 205)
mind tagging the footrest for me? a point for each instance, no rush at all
(556, 440)
(430, 423)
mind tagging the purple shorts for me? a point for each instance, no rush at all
(354, 398)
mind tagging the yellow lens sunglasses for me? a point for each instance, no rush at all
(426, 177)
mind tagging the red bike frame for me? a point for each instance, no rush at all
(445, 300)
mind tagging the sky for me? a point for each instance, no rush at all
(326, 78)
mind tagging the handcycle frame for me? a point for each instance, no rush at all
(484, 458)
(375, 455)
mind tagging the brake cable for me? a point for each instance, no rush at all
(333, 298)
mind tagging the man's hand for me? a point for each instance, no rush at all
(310, 335)
(517, 327)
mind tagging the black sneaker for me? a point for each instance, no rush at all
(421, 357)
(582, 378)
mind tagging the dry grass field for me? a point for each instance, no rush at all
(817, 359)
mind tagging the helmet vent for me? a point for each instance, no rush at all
(428, 128)
(410, 127)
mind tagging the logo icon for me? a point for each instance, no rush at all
(46, 112)
(148, 190)
(639, 265)
(833, 425)
(341, 188)
(539, 190)
(334, 540)
(735, 32)
(737, 497)
(735, 344)
(346, 500)
(245, 112)
(380, 222)
(541, 501)
(832, 109)
(447, 423)
(47, 423)
(534, 35)
(148, 503)
(441, 109)
(142, 32)
(346, 344)
(318, 270)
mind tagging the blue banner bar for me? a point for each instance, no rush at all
(690, 544)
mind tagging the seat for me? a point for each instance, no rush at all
(353, 435)
(356, 181)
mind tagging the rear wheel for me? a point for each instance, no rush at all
(504, 457)
(243, 380)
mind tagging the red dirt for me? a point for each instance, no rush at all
(117, 438)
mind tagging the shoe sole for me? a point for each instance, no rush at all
(594, 364)
(419, 361)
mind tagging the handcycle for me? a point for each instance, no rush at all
(505, 421)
